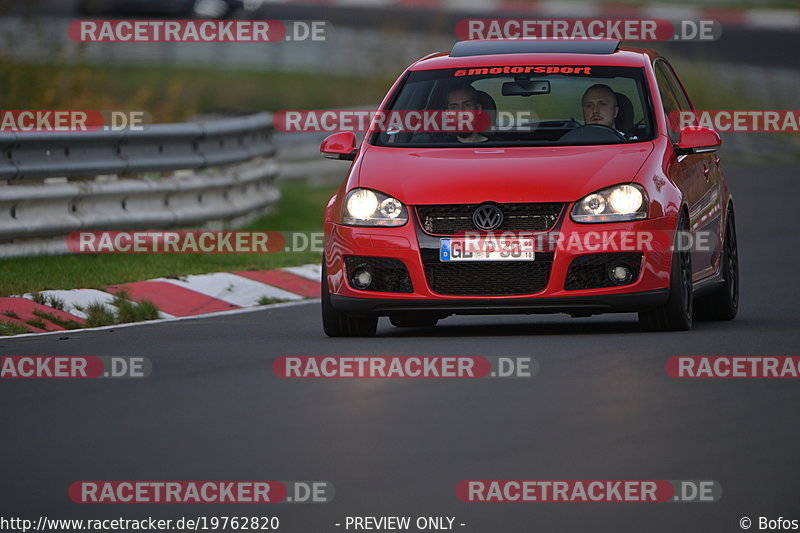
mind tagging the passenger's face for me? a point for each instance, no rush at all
(462, 101)
(599, 107)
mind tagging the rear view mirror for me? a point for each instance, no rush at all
(697, 140)
(340, 146)
(524, 87)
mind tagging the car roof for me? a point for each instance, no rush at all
(500, 52)
(522, 46)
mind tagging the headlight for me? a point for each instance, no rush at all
(364, 207)
(614, 204)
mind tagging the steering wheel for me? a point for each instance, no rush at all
(593, 133)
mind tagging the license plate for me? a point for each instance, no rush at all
(489, 249)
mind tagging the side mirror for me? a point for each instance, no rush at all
(340, 146)
(697, 140)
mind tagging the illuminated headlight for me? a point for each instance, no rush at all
(614, 204)
(364, 207)
(626, 199)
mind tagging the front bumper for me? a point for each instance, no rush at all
(415, 249)
(574, 305)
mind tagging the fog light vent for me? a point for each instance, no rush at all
(595, 271)
(378, 274)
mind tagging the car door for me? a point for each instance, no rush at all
(696, 175)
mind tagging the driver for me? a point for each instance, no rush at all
(599, 105)
(465, 99)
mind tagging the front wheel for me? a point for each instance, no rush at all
(676, 314)
(339, 324)
(723, 304)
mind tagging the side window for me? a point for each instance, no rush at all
(672, 97)
(680, 95)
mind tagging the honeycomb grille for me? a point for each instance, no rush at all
(450, 219)
(498, 278)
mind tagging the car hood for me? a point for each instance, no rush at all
(419, 176)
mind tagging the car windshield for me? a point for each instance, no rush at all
(552, 105)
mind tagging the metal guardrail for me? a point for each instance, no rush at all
(54, 183)
(161, 147)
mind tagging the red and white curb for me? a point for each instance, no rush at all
(186, 296)
(74, 300)
(761, 18)
(21, 312)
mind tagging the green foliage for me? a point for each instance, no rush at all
(98, 314)
(266, 300)
(55, 302)
(64, 323)
(130, 311)
(12, 328)
(37, 323)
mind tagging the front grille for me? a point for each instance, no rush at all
(450, 219)
(388, 275)
(591, 271)
(497, 278)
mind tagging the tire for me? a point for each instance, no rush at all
(413, 321)
(723, 304)
(676, 314)
(338, 324)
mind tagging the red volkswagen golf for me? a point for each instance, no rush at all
(584, 189)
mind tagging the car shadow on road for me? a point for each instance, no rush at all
(581, 327)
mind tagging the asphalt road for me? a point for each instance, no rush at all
(602, 407)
